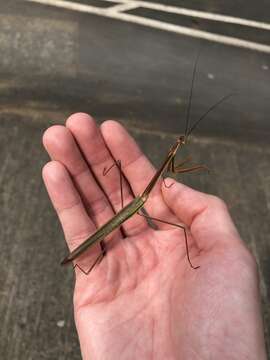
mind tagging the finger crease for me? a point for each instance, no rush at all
(80, 173)
(103, 159)
(96, 207)
(69, 207)
(83, 235)
(132, 162)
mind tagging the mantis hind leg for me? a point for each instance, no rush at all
(179, 226)
(118, 164)
(97, 261)
(103, 253)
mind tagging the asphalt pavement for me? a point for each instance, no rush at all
(57, 61)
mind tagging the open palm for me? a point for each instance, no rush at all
(144, 301)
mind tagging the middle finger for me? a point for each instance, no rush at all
(61, 146)
(98, 156)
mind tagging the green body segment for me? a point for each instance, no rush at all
(108, 227)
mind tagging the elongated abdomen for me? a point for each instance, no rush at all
(107, 228)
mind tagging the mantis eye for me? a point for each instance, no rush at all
(182, 139)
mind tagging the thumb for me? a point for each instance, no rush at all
(206, 215)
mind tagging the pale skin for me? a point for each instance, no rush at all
(143, 301)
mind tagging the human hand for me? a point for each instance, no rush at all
(144, 300)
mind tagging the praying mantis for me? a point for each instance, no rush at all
(138, 202)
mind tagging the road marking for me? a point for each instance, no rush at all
(124, 7)
(116, 12)
(197, 14)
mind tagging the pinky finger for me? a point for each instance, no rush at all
(75, 221)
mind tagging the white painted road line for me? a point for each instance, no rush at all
(197, 14)
(182, 30)
(131, 5)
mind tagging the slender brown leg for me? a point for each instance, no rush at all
(97, 261)
(179, 226)
(191, 169)
(178, 169)
(167, 186)
(169, 169)
(102, 243)
(188, 159)
(119, 166)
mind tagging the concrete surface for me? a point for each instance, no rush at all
(55, 62)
